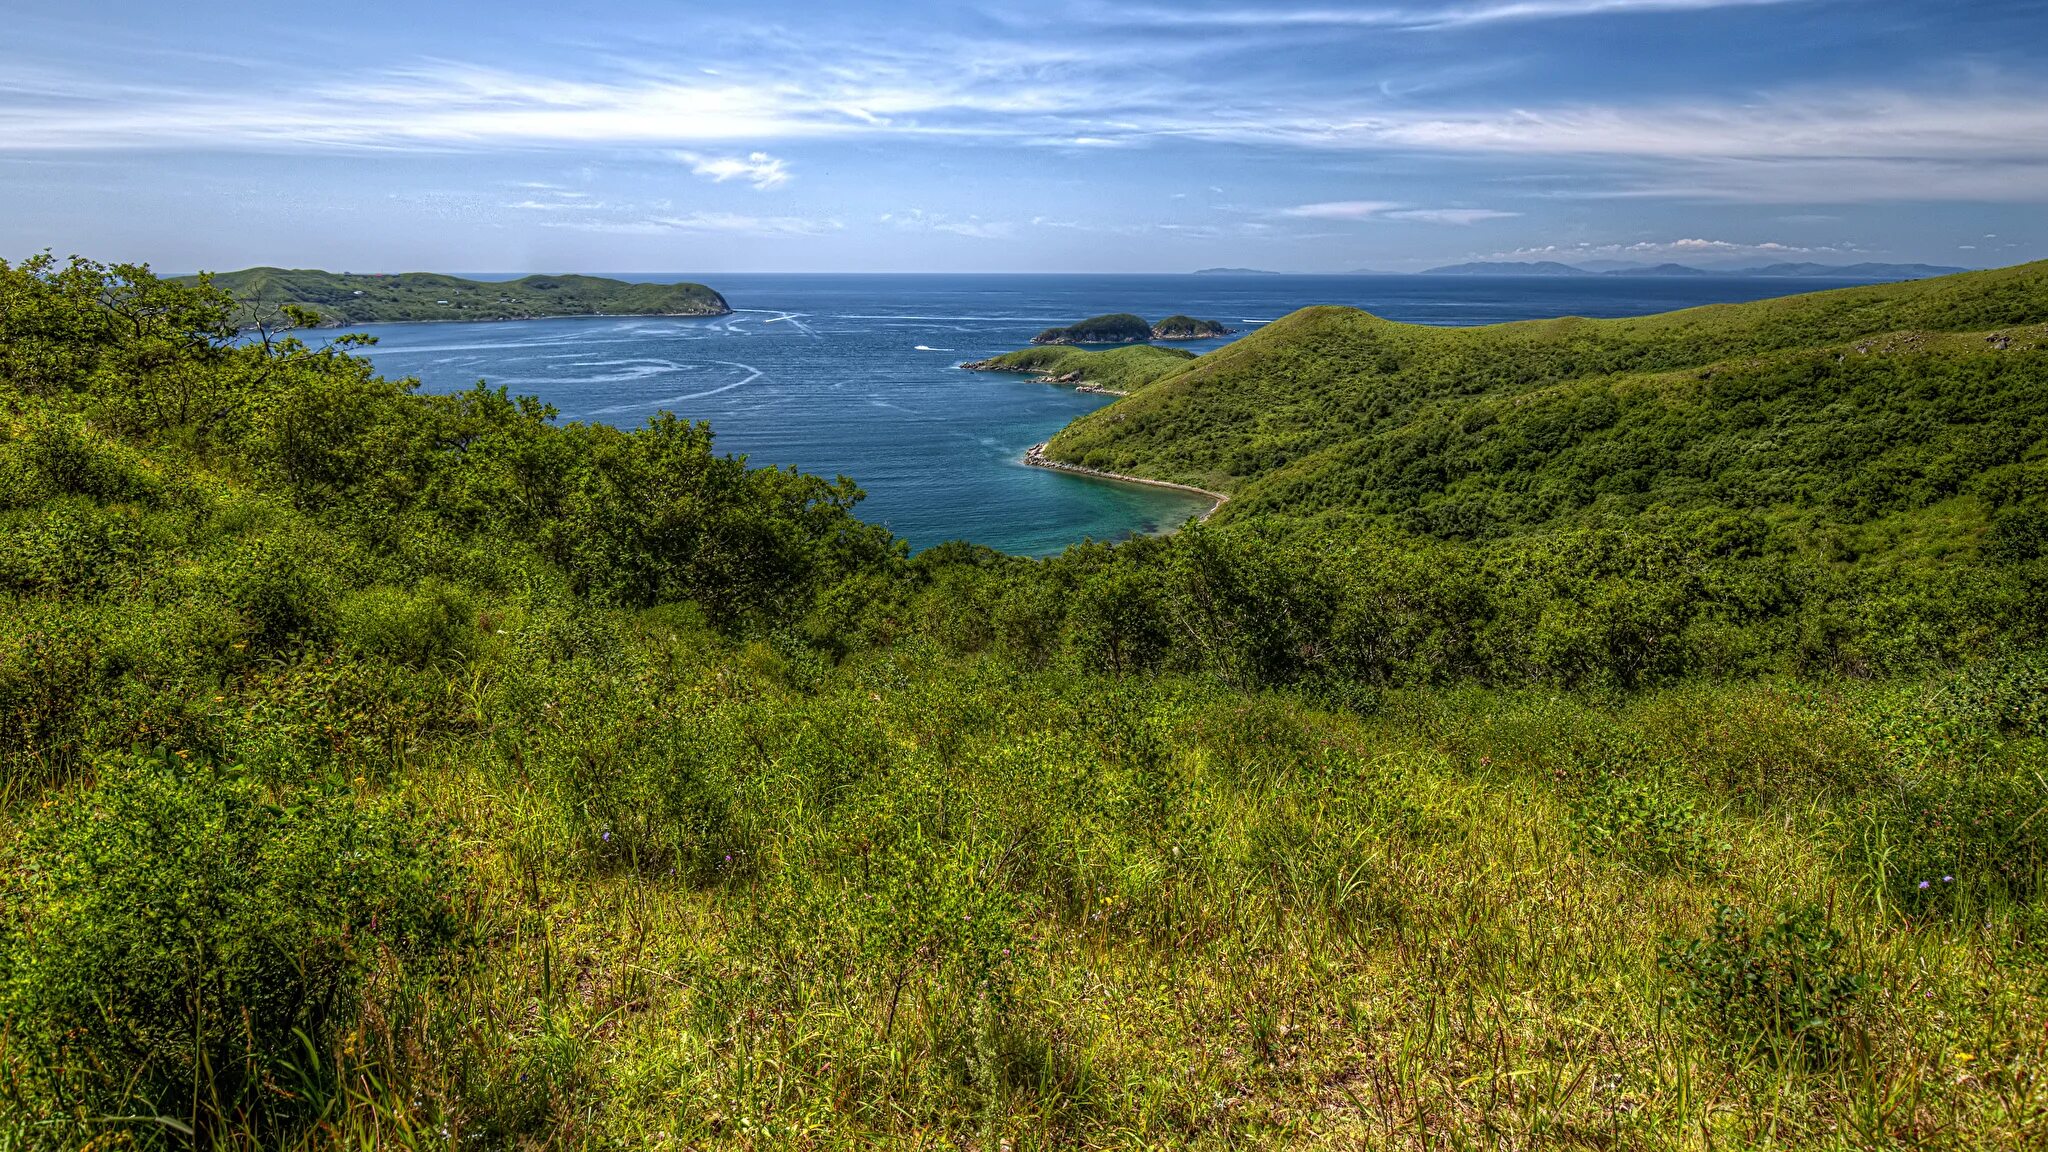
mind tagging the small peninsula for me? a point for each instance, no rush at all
(1114, 371)
(1125, 328)
(340, 298)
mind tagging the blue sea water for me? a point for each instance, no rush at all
(859, 375)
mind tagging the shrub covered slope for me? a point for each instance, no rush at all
(396, 771)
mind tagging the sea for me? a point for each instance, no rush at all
(859, 375)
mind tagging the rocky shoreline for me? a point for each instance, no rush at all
(1036, 457)
(1073, 378)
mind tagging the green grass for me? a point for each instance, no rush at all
(340, 298)
(382, 770)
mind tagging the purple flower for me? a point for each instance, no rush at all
(1948, 879)
(1923, 885)
(608, 839)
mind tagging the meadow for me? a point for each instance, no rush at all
(385, 770)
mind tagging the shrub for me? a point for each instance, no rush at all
(432, 622)
(174, 937)
(1640, 821)
(1784, 987)
(633, 784)
(282, 594)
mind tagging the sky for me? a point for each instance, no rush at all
(1052, 136)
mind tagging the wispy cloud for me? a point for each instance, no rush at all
(1391, 210)
(1341, 209)
(1429, 16)
(1451, 215)
(972, 227)
(720, 222)
(1691, 248)
(1985, 140)
(756, 168)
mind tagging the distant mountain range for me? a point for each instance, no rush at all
(1234, 272)
(1806, 270)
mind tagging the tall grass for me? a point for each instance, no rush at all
(918, 901)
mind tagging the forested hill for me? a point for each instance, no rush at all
(339, 298)
(1840, 407)
(381, 769)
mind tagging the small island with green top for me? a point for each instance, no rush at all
(1126, 328)
(342, 298)
(1179, 327)
(1114, 328)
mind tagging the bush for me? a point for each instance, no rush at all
(281, 594)
(633, 784)
(1640, 821)
(1785, 988)
(432, 622)
(174, 937)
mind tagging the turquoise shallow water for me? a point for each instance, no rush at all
(858, 375)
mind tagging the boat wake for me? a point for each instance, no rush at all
(752, 374)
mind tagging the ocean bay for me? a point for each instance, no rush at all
(858, 375)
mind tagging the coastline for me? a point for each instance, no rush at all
(1035, 456)
(510, 319)
(1039, 377)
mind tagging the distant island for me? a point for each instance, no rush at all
(1234, 272)
(1867, 271)
(1126, 328)
(340, 298)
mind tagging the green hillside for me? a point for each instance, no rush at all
(1116, 369)
(340, 298)
(1844, 405)
(393, 770)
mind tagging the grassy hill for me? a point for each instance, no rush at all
(1849, 404)
(350, 298)
(1116, 369)
(390, 770)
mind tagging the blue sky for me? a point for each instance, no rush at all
(902, 135)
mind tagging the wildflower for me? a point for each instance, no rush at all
(1923, 885)
(608, 839)
(1948, 879)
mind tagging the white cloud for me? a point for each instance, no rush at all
(1692, 247)
(756, 168)
(1426, 17)
(1451, 215)
(973, 227)
(723, 222)
(1985, 139)
(1390, 210)
(1341, 209)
